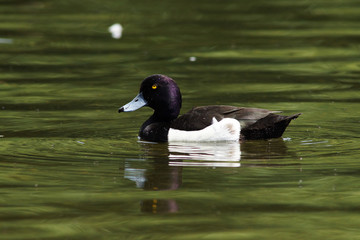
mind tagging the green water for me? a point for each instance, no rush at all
(71, 167)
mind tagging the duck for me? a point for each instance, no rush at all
(203, 123)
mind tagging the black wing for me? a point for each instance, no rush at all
(255, 123)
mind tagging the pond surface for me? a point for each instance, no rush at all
(71, 167)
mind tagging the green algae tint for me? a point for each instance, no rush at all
(71, 167)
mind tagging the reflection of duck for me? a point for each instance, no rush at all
(159, 206)
(163, 95)
(155, 174)
(161, 165)
(273, 148)
(220, 154)
(266, 153)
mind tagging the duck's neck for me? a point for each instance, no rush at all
(165, 115)
(159, 123)
(156, 128)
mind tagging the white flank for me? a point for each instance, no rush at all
(228, 129)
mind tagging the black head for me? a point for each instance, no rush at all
(159, 92)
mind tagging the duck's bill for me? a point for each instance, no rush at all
(135, 104)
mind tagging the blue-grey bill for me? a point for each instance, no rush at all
(135, 104)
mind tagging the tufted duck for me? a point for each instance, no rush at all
(207, 123)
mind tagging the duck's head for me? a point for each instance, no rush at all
(159, 92)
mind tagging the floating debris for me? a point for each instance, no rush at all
(192, 59)
(116, 30)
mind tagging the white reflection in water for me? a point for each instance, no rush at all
(136, 175)
(6, 41)
(311, 142)
(221, 154)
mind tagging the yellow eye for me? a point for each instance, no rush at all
(154, 86)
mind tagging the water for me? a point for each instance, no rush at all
(72, 167)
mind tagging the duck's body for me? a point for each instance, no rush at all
(201, 123)
(255, 123)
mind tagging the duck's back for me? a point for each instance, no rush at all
(255, 123)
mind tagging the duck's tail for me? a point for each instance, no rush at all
(271, 126)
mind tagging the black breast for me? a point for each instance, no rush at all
(155, 132)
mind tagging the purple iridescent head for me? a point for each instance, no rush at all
(159, 92)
